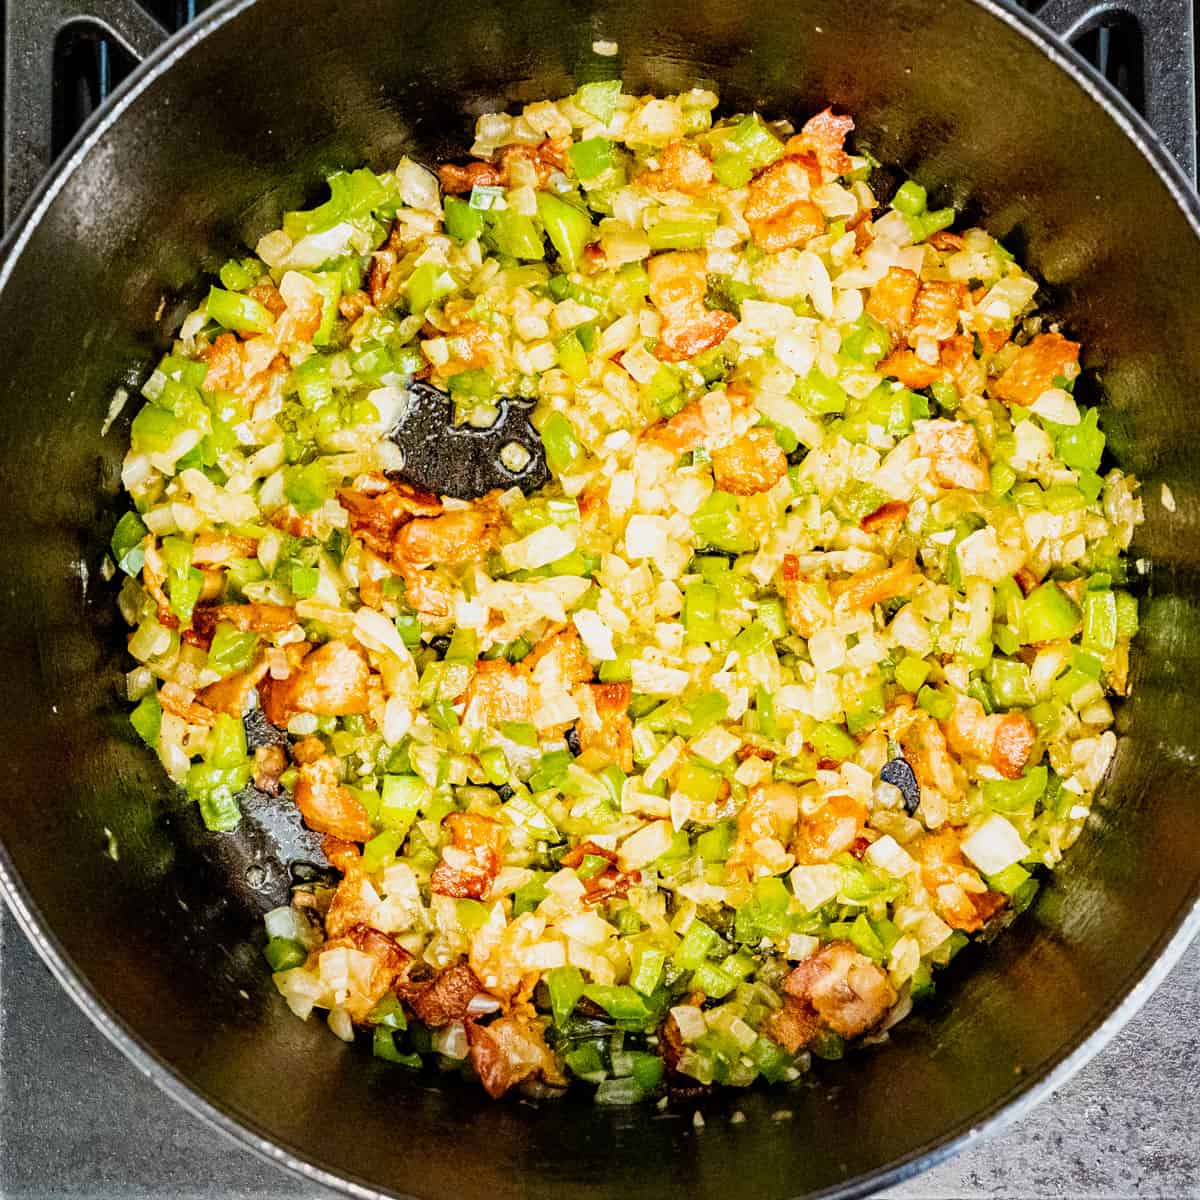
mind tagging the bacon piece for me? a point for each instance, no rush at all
(763, 826)
(936, 311)
(154, 578)
(178, 701)
(246, 618)
(470, 864)
(946, 241)
(807, 609)
(457, 180)
(349, 906)
(564, 656)
(956, 459)
(963, 900)
(511, 1049)
(269, 763)
(886, 519)
(428, 592)
(793, 1026)
(270, 297)
(891, 299)
(331, 682)
(682, 432)
(232, 694)
(1047, 357)
(845, 989)
(226, 364)
(389, 961)
(825, 135)
(865, 589)
(446, 999)
(604, 725)
(458, 536)
(832, 829)
(498, 691)
(379, 508)
(753, 463)
(217, 549)
(329, 807)
(925, 750)
(779, 210)
(682, 168)
(678, 284)
(1004, 740)
(611, 882)
(913, 372)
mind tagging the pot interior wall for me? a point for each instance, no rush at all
(208, 156)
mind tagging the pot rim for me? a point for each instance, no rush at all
(1022, 1097)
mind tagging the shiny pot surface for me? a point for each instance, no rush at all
(239, 119)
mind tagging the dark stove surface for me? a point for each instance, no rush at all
(77, 1120)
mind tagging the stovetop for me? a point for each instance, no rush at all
(77, 1120)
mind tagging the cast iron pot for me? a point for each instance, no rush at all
(238, 119)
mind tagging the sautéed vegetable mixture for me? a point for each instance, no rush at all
(702, 759)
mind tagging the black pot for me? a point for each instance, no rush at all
(239, 118)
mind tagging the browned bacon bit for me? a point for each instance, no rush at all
(301, 525)
(329, 807)
(955, 458)
(498, 691)
(427, 592)
(794, 1025)
(217, 549)
(886, 519)
(560, 656)
(226, 363)
(935, 313)
(246, 618)
(891, 299)
(389, 961)
(678, 284)
(511, 1049)
(946, 241)
(753, 463)
(459, 536)
(806, 610)
(331, 682)
(682, 168)
(269, 763)
(865, 589)
(232, 694)
(961, 897)
(1047, 357)
(379, 507)
(349, 906)
(604, 726)
(470, 864)
(446, 999)
(1026, 580)
(352, 305)
(680, 433)
(832, 829)
(154, 578)
(1003, 739)
(845, 989)
(457, 180)
(178, 701)
(825, 135)
(269, 296)
(910, 370)
(308, 750)
(926, 752)
(610, 882)
(778, 210)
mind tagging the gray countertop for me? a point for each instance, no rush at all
(76, 1120)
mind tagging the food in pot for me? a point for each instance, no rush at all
(702, 759)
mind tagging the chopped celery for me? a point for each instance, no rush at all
(1048, 614)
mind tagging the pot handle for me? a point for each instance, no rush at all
(1167, 35)
(31, 36)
